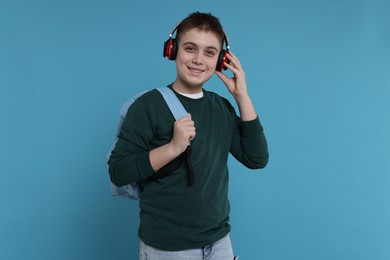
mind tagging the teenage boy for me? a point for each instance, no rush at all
(179, 220)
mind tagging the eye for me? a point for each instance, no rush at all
(189, 49)
(210, 53)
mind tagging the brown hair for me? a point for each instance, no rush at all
(202, 21)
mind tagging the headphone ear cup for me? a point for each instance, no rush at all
(221, 59)
(170, 49)
(174, 50)
(165, 52)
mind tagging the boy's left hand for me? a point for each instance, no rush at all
(237, 84)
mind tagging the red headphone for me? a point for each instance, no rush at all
(170, 50)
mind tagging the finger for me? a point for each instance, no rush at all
(231, 54)
(234, 61)
(233, 68)
(186, 125)
(187, 122)
(185, 118)
(191, 135)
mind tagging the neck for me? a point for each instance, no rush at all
(184, 89)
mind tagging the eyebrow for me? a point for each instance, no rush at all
(194, 44)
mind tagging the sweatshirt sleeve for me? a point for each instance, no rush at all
(249, 145)
(129, 161)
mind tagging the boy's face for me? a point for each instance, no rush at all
(196, 59)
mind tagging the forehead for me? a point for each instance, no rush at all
(201, 37)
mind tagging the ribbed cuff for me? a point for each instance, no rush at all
(252, 127)
(144, 166)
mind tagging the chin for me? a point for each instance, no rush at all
(195, 85)
(197, 82)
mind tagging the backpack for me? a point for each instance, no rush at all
(133, 190)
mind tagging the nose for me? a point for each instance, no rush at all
(197, 59)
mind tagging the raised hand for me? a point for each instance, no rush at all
(237, 87)
(237, 84)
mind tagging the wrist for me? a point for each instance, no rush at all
(173, 150)
(242, 99)
(246, 108)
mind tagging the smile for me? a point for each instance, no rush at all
(195, 70)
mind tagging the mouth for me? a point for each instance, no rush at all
(195, 70)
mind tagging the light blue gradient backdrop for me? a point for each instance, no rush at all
(318, 73)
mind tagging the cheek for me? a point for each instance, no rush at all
(182, 56)
(212, 63)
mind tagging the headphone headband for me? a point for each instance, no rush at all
(225, 38)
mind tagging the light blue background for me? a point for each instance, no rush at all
(318, 72)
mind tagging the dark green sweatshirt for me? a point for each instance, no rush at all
(173, 215)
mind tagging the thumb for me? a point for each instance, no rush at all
(225, 79)
(220, 75)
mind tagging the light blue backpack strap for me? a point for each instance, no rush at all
(174, 104)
